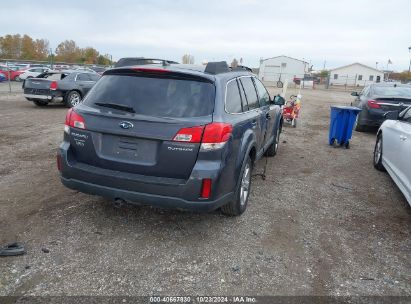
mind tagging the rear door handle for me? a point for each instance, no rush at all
(268, 116)
(403, 138)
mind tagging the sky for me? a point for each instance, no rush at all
(325, 33)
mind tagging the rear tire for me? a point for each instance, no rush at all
(378, 154)
(358, 127)
(40, 103)
(72, 99)
(239, 204)
(17, 78)
(273, 148)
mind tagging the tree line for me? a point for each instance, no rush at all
(24, 47)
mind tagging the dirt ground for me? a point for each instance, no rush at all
(324, 222)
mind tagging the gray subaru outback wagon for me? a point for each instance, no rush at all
(179, 136)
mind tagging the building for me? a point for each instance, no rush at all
(282, 68)
(355, 74)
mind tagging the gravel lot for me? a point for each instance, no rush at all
(324, 222)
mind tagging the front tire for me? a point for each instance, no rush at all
(378, 154)
(239, 204)
(72, 99)
(17, 78)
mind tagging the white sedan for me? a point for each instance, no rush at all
(33, 72)
(393, 149)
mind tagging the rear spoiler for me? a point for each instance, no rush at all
(156, 72)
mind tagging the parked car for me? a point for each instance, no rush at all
(68, 87)
(171, 136)
(377, 99)
(2, 77)
(129, 61)
(393, 149)
(14, 75)
(33, 72)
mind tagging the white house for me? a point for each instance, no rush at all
(282, 68)
(355, 74)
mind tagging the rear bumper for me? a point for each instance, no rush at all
(145, 198)
(372, 117)
(147, 190)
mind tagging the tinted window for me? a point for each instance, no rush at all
(233, 99)
(94, 77)
(83, 77)
(263, 96)
(250, 92)
(160, 97)
(245, 105)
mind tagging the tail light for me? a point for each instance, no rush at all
(373, 104)
(59, 162)
(192, 135)
(215, 136)
(206, 188)
(74, 120)
(53, 85)
(212, 136)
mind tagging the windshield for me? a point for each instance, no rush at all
(393, 91)
(159, 97)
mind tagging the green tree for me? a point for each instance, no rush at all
(27, 48)
(10, 46)
(68, 51)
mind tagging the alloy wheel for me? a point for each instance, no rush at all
(245, 184)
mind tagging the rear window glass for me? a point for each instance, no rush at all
(393, 91)
(159, 97)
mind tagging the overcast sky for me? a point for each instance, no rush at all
(338, 32)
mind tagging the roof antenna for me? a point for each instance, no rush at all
(165, 63)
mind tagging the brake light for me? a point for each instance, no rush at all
(74, 120)
(53, 85)
(150, 70)
(206, 188)
(59, 162)
(192, 135)
(373, 104)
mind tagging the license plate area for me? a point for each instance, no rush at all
(129, 149)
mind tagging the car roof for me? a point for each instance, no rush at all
(388, 84)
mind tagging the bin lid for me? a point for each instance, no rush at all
(346, 108)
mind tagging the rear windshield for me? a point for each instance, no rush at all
(159, 97)
(393, 91)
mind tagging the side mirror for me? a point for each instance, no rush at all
(392, 115)
(279, 101)
(355, 94)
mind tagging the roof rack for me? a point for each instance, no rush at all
(217, 67)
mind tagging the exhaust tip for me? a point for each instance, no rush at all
(119, 202)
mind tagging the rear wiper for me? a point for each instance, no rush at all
(116, 106)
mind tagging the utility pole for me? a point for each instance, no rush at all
(51, 58)
(409, 67)
(376, 65)
(325, 61)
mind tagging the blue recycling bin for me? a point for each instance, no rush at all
(341, 124)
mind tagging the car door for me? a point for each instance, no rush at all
(268, 112)
(403, 155)
(84, 82)
(253, 108)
